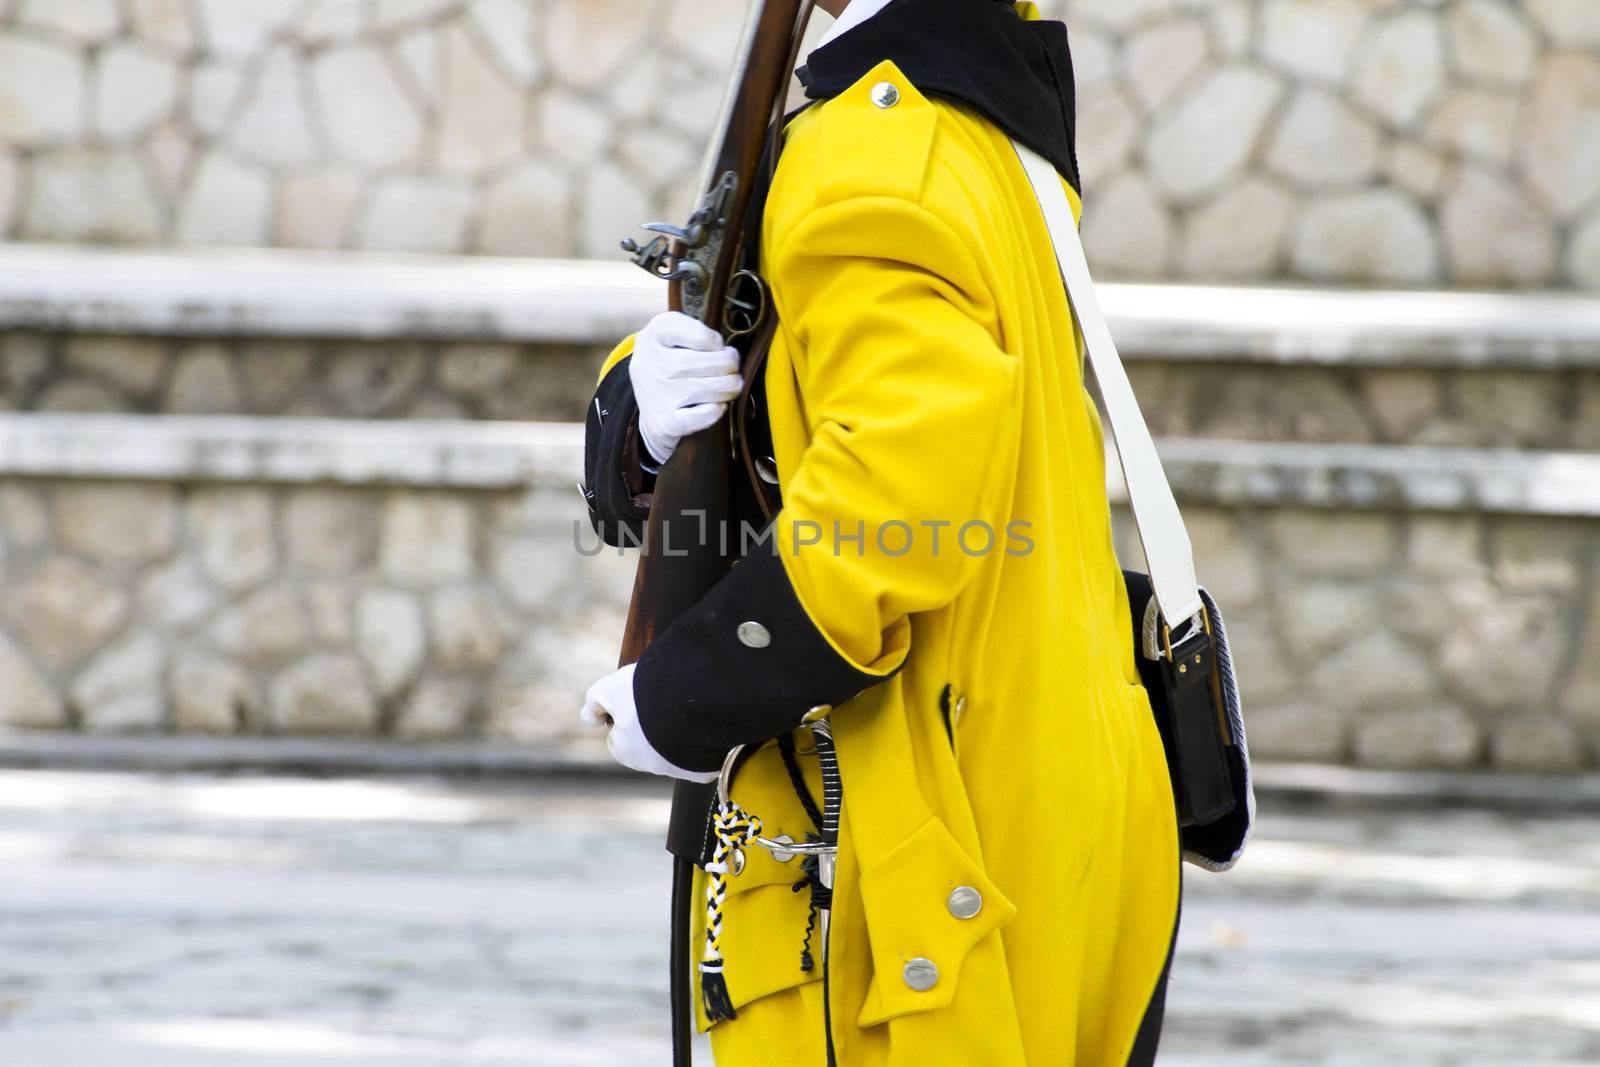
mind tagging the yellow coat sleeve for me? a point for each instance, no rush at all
(913, 413)
(910, 410)
(913, 425)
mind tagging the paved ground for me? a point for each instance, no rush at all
(195, 921)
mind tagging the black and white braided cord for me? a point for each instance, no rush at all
(734, 828)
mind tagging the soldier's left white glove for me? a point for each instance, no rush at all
(684, 376)
(610, 701)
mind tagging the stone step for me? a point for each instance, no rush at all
(370, 336)
(367, 295)
(465, 454)
(1307, 784)
(436, 580)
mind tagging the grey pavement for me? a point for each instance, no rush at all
(194, 920)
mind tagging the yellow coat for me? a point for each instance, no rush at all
(926, 371)
(946, 532)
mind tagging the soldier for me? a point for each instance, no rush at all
(939, 575)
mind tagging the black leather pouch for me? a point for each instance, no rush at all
(1195, 698)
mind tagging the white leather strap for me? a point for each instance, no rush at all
(1167, 549)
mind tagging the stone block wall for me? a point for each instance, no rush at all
(1408, 639)
(518, 127)
(294, 377)
(1451, 142)
(304, 604)
(302, 534)
(1430, 142)
(1498, 407)
(1456, 406)
(315, 603)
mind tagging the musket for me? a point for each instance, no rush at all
(693, 490)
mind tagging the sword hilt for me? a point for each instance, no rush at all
(827, 848)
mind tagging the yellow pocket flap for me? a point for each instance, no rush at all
(927, 905)
(763, 932)
(764, 920)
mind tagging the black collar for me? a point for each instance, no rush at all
(1017, 74)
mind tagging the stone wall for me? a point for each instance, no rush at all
(294, 611)
(497, 126)
(1496, 407)
(242, 514)
(419, 590)
(1409, 639)
(427, 580)
(1404, 143)
(1455, 406)
(295, 377)
(1430, 142)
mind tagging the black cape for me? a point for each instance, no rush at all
(1017, 74)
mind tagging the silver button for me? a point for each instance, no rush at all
(885, 94)
(754, 635)
(921, 974)
(736, 862)
(965, 902)
(782, 857)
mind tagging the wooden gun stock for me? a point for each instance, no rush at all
(684, 554)
(684, 551)
(697, 479)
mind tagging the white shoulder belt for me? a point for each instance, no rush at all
(1167, 549)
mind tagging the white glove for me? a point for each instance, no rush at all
(684, 376)
(610, 701)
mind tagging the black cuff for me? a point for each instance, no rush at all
(742, 666)
(615, 486)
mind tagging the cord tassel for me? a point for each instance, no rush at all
(714, 992)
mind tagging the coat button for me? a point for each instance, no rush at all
(885, 94)
(921, 974)
(965, 902)
(754, 635)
